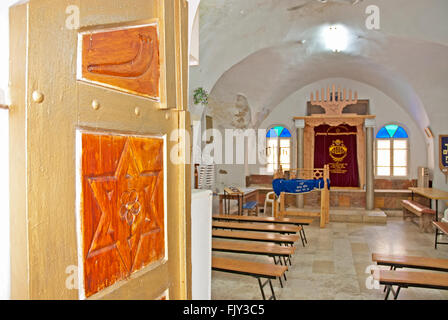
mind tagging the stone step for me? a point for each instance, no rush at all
(360, 216)
(353, 215)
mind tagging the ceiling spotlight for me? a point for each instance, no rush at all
(336, 38)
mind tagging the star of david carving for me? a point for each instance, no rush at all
(126, 201)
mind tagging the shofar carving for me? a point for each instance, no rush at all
(334, 104)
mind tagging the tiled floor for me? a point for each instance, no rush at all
(334, 263)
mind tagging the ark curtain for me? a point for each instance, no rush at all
(336, 146)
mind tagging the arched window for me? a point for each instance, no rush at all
(278, 151)
(392, 151)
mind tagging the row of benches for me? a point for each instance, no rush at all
(425, 219)
(279, 233)
(405, 279)
(278, 236)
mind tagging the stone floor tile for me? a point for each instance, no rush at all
(323, 267)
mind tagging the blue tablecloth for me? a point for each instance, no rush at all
(297, 185)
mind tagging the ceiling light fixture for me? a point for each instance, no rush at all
(336, 38)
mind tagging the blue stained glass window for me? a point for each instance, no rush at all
(391, 131)
(271, 134)
(383, 134)
(285, 133)
(278, 131)
(400, 133)
(391, 128)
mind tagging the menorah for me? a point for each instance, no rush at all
(333, 101)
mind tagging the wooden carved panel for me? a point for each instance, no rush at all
(122, 202)
(334, 101)
(126, 59)
(359, 108)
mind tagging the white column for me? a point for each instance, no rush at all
(369, 124)
(300, 125)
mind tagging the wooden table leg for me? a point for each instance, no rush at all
(437, 209)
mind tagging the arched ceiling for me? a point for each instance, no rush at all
(254, 49)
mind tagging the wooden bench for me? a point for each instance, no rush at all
(281, 220)
(405, 279)
(395, 261)
(443, 227)
(425, 215)
(285, 229)
(289, 239)
(268, 249)
(255, 269)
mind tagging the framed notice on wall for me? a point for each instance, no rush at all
(443, 153)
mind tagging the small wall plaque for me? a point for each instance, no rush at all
(443, 154)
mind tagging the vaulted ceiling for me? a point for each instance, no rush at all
(265, 50)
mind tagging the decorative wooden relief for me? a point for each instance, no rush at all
(122, 217)
(126, 59)
(360, 108)
(334, 102)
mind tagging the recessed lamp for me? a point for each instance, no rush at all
(336, 38)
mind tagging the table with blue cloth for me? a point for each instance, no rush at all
(298, 185)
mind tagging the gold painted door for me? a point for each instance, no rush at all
(100, 189)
